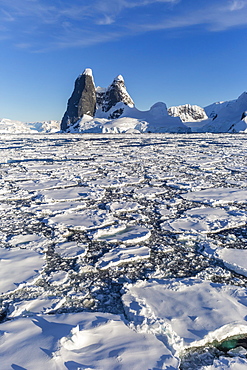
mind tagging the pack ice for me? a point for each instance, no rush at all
(123, 251)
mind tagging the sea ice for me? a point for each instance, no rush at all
(224, 363)
(234, 259)
(191, 309)
(80, 341)
(72, 193)
(206, 220)
(149, 192)
(88, 219)
(123, 254)
(216, 196)
(29, 241)
(105, 209)
(32, 186)
(70, 249)
(118, 207)
(57, 207)
(128, 234)
(18, 266)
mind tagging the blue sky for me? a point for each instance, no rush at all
(175, 51)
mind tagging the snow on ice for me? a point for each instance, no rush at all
(123, 251)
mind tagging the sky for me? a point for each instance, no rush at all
(174, 51)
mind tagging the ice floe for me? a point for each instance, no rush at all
(188, 311)
(206, 220)
(128, 234)
(81, 340)
(18, 266)
(223, 363)
(70, 249)
(30, 241)
(72, 193)
(216, 196)
(87, 219)
(149, 226)
(122, 254)
(234, 259)
(118, 207)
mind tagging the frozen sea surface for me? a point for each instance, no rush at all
(123, 252)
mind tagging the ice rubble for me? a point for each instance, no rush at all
(227, 363)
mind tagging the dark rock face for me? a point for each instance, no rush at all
(82, 100)
(116, 93)
(86, 99)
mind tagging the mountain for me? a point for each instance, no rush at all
(82, 100)
(188, 113)
(88, 100)
(112, 109)
(92, 109)
(222, 117)
(8, 126)
(132, 120)
(229, 116)
(108, 98)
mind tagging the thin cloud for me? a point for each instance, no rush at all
(42, 27)
(237, 5)
(213, 18)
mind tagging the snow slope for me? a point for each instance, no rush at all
(220, 117)
(230, 118)
(133, 120)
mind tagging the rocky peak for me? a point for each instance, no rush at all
(82, 100)
(86, 99)
(116, 93)
(188, 113)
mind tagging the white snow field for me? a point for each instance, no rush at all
(123, 251)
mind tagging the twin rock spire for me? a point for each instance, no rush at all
(89, 100)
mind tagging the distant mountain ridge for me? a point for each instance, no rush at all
(92, 109)
(112, 110)
(8, 126)
(97, 110)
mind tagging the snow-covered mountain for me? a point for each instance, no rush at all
(188, 113)
(113, 95)
(8, 126)
(132, 120)
(92, 109)
(88, 100)
(229, 116)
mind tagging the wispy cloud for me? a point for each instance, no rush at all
(42, 25)
(237, 5)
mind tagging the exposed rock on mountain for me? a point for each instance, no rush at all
(82, 100)
(91, 101)
(98, 109)
(112, 110)
(188, 113)
(114, 94)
